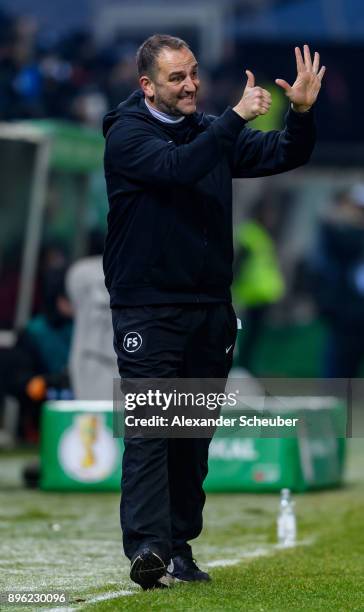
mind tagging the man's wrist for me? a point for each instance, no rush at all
(240, 113)
(300, 109)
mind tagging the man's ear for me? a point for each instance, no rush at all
(147, 86)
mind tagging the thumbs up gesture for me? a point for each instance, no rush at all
(255, 100)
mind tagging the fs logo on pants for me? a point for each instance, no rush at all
(132, 342)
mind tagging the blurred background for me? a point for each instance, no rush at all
(299, 266)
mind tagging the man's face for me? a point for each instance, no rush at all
(173, 88)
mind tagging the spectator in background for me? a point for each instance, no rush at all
(20, 77)
(56, 74)
(258, 280)
(72, 78)
(39, 359)
(121, 77)
(92, 361)
(337, 268)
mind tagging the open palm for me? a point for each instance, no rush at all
(304, 91)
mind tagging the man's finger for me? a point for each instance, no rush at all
(299, 60)
(307, 54)
(251, 78)
(316, 62)
(266, 94)
(283, 84)
(321, 73)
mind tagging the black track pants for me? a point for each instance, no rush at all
(162, 494)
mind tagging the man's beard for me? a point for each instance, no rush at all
(166, 108)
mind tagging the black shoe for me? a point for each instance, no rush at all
(147, 568)
(184, 569)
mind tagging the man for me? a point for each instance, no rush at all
(168, 268)
(38, 362)
(336, 269)
(92, 360)
(258, 281)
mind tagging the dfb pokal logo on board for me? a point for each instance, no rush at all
(87, 450)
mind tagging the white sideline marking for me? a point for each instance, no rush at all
(249, 554)
(63, 609)
(257, 552)
(223, 562)
(107, 596)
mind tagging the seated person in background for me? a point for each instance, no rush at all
(39, 359)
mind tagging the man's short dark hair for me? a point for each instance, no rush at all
(148, 52)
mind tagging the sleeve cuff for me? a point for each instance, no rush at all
(299, 116)
(229, 123)
(294, 119)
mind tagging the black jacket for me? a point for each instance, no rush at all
(170, 192)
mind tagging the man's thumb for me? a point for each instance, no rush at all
(251, 79)
(284, 85)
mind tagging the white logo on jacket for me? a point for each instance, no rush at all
(132, 342)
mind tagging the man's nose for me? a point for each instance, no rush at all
(190, 85)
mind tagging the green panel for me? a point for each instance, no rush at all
(78, 451)
(313, 460)
(253, 464)
(74, 148)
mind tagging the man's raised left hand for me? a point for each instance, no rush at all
(304, 91)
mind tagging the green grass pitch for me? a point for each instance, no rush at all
(72, 542)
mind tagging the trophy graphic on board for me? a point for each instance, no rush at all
(88, 428)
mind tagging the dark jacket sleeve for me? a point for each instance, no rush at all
(138, 153)
(264, 153)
